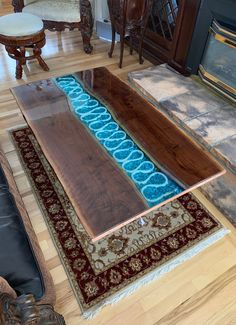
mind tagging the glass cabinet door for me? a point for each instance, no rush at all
(162, 20)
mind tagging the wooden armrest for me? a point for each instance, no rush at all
(25, 311)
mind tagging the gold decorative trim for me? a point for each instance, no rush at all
(223, 30)
(221, 84)
(222, 38)
(217, 89)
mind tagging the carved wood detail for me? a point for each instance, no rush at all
(85, 25)
(25, 311)
(15, 47)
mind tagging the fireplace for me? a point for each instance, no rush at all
(218, 63)
(212, 53)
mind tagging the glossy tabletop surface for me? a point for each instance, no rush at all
(116, 155)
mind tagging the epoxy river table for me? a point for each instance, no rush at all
(117, 156)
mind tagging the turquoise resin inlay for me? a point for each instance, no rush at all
(154, 185)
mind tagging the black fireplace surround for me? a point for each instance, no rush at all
(224, 11)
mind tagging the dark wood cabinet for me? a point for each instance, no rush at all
(169, 31)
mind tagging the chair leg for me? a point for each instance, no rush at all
(16, 54)
(22, 50)
(42, 63)
(122, 40)
(86, 24)
(113, 31)
(140, 51)
(19, 69)
(37, 53)
(88, 48)
(130, 44)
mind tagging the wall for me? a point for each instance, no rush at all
(101, 10)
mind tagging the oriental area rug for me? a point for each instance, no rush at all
(105, 271)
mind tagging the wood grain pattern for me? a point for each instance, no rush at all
(157, 135)
(183, 314)
(152, 302)
(101, 194)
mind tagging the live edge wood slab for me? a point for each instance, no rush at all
(103, 196)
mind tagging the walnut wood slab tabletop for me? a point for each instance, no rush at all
(104, 195)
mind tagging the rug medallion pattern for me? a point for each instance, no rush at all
(99, 270)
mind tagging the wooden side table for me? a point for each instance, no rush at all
(129, 17)
(19, 31)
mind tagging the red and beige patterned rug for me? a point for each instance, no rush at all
(103, 272)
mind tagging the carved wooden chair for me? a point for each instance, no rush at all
(58, 15)
(129, 17)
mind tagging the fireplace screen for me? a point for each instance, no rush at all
(218, 66)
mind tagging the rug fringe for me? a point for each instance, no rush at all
(157, 273)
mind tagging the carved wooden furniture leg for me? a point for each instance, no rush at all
(131, 44)
(37, 53)
(15, 54)
(86, 24)
(22, 51)
(88, 48)
(19, 69)
(129, 16)
(122, 43)
(140, 50)
(25, 311)
(113, 31)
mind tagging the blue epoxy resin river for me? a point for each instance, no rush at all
(153, 184)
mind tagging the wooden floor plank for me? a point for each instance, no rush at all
(196, 305)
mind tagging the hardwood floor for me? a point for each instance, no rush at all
(201, 291)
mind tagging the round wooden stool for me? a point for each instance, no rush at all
(19, 31)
